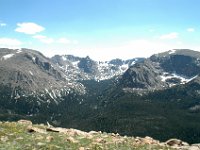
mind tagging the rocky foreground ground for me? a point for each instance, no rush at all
(23, 135)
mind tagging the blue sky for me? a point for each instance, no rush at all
(102, 29)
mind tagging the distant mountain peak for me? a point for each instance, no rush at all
(163, 70)
(86, 68)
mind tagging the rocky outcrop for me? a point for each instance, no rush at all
(25, 122)
(142, 75)
(88, 65)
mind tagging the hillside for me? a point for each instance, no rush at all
(25, 135)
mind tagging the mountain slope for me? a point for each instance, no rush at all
(30, 79)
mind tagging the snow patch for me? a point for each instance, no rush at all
(31, 73)
(51, 96)
(75, 63)
(103, 64)
(133, 63)
(183, 79)
(172, 51)
(124, 67)
(33, 58)
(107, 71)
(19, 51)
(64, 58)
(5, 57)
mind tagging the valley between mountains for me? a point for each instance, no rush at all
(157, 96)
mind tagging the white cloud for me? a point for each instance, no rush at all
(44, 39)
(48, 40)
(29, 28)
(10, 43)
(132, 49)
(3, 24)
(190, 29)
(66, 41)
(63, 41)
(173, 35)
(120, 49)
(145, 48)
(39, 37)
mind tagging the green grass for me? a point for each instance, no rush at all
(15, 136)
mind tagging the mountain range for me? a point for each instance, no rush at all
(157, 96)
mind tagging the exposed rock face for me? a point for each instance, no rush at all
(143, 76)
(88, 65)
(117, 62)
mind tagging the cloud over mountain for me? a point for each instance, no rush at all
(173, 35)
(10, 42)
(29, 28)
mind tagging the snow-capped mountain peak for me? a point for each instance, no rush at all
(87, 69)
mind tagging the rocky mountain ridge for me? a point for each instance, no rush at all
(163, 70)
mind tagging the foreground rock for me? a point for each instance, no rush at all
(176, 142)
